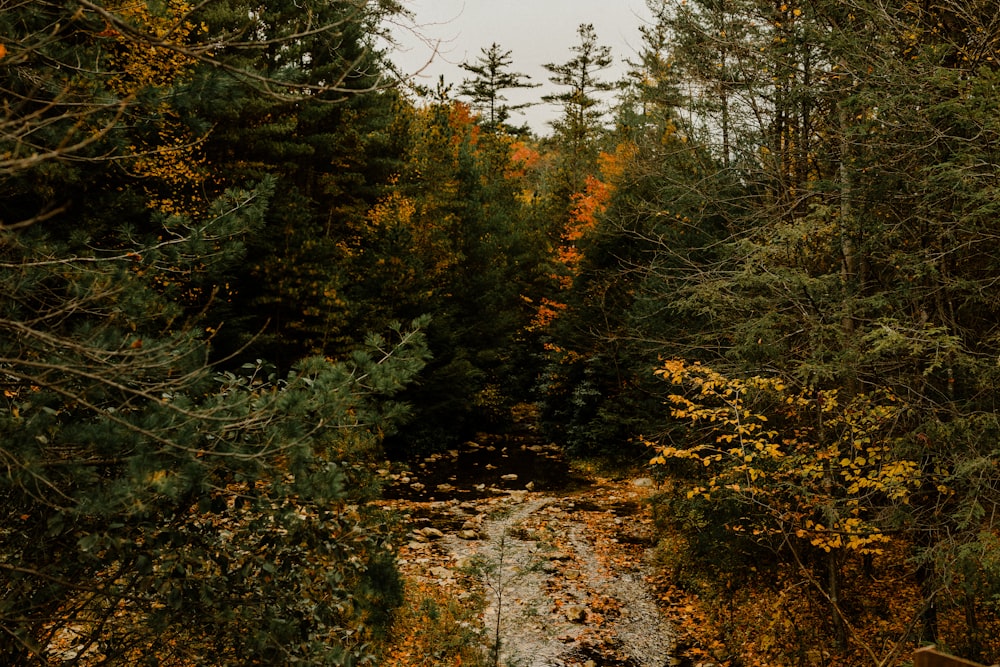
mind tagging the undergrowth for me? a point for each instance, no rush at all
(436, 626)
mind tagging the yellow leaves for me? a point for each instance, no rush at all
(847, 469)
(613, 165)
(139, 63)
(674, 369)
(392, 211)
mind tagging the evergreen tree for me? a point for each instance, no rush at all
(332, 155)
(853, 258)
(580, 125)
(450, 240)
(652, 227)
(156, 506)
(485, 90)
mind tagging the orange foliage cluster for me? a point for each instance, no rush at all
(587, 208)
(460, 118)
(546, 313)
(782, 468)
(395, 209)
(142, 63)
(523, 159)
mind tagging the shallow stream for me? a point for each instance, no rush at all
(493, 465)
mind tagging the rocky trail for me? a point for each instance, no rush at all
(560, 557)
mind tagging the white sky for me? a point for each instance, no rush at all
(534, 31)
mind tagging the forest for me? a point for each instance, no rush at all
(244, 262)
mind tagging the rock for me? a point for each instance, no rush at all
(439, 572)
(559, 555)
(509, 478)
(444, 488)
(576, 613)
(468, 535)
(643, 483)
(469, 525)
(816, 658)
(417, 486)
(571, 575)
(590, 663)
(431, 533)
(530, 486)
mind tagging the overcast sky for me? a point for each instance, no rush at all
(534, 31)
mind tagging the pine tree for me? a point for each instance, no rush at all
(157, 505)
(579, 127)
(854, 256)
(485, 90)
(330, 153)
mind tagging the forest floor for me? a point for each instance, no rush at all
(557, 561)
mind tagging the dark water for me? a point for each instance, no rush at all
(490, 466)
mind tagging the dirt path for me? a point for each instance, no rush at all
(565, 568)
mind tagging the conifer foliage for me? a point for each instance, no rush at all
(796, 239)
(161, 507)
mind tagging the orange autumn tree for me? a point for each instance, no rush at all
(585, 211)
